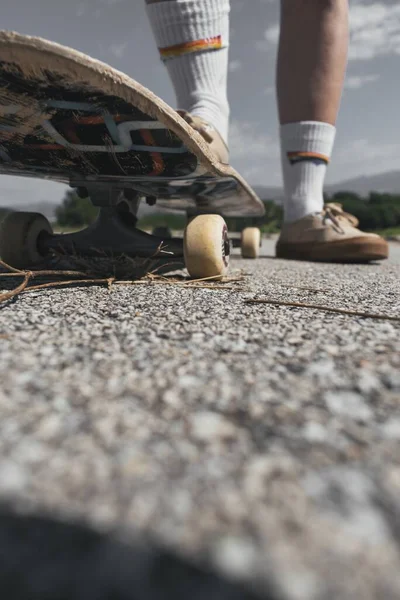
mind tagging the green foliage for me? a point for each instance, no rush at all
(273, 217)
(389, 232)
(270, 223)
(171, 220)
(376, 212)
(75, 211)
(3, 212)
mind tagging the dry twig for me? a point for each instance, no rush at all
(342, 311)
(141, 276)
(53, 284)
(13, 272)
(12, 293)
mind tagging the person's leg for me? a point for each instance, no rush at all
(310, 73)
(311, 67)
(193, 38)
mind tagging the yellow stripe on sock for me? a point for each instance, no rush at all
(214, 43)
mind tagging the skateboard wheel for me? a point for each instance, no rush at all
(162, 232)
(250, 244)
(19, 237)
(206, 246)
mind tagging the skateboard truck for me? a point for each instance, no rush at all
(114, 232)
(26, 239)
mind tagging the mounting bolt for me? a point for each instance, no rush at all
(151, 200)
(129, 194)
(82, 192)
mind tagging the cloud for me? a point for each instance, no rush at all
(271, 36)
(246, 140)
(362, 156)
(238, 5)
(235, 65)
(257, 152)
(118, 50)
(269, 90)
(80, 9)
(374, 31)
(106, 5)
(19, 191)
(355, 82)
(364, 150)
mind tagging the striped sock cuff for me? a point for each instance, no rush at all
(213, 43)
(296, 157)
(307, 140)
(185, 26)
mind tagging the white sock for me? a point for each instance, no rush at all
(193, 39)
(306, 149)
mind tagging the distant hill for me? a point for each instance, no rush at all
(388, 182)
(269, 193)
(382, 182)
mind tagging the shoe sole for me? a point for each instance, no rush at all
(356, 250)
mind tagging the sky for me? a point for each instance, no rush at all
(117, 32)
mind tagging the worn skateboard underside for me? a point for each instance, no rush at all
(66, 117)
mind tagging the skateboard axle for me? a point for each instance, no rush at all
(114, 233)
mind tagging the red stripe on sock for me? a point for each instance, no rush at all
(213, 43)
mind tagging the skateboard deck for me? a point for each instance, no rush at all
(70, 118)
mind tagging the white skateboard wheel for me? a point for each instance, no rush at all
(206, 246)
(19, 236)
(250, 244)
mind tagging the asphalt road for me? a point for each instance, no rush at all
(265, 437)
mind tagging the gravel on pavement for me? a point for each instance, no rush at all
(265, 438)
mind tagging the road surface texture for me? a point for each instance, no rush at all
(262, 438)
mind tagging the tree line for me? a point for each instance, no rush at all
(376, 212)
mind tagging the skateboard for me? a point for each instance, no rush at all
(70, 118)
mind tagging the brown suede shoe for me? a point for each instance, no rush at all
(211, 135)
(330, 236)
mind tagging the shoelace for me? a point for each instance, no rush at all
(197, 124)
(334, 212)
